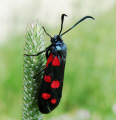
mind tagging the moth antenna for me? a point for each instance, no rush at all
(62, 20)
(78, 23)
(46, 32)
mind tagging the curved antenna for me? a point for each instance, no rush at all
(78, 23)
(62, 19)
(46, 32)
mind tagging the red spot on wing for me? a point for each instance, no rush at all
(55, 84)
(50, 58)
(56, 61)
(46, 96)
(53, 101)
(47, 78)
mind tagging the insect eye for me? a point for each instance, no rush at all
(55, 40)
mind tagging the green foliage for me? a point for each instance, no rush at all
(32, 66)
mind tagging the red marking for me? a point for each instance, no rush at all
(47, 78)
(53, 101)
(55, 84)
(50, 58)
(46, 96)
(56, 61)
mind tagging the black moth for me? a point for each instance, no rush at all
(52, 83)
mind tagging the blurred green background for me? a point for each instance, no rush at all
(90, 72)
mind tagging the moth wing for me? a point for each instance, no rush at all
(52, 83)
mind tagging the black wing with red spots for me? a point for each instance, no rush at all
(51, 87)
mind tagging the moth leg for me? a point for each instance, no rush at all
(38, 73)
(40, 52)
